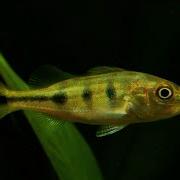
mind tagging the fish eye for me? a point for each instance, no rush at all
(165, 93)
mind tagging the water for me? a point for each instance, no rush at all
(76, 36)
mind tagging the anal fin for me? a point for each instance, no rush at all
(52, 120)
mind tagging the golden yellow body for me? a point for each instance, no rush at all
(107, 96)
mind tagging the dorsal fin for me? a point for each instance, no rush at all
(104, 69)
(47, 75)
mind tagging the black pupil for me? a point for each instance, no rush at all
(165, 93)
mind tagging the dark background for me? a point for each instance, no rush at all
(78, 35)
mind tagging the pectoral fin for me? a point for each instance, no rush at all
(108, 130)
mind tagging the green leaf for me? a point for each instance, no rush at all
(68, 152)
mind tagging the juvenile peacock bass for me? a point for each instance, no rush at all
(107, 96)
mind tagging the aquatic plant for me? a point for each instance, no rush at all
(63, 144)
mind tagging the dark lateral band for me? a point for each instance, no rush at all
(60, 98)
(3, 100)
(26, 98)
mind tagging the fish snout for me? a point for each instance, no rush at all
(178, 96)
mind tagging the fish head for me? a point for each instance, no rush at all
(157, 99)
(165, 100)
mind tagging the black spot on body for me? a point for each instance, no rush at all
(60, 98)
(87, 95)
(111, 92)
(3, 100)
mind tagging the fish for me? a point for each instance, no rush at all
(107, 96)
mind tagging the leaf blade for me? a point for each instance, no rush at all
(57, 140)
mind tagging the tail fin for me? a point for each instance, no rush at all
(4, 107)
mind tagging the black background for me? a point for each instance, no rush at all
(78, 35)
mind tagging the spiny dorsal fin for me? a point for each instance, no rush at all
(47, 75)
(104, 69)
(108, 130)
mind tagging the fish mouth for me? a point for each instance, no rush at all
(178, 100)
(178, 95)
